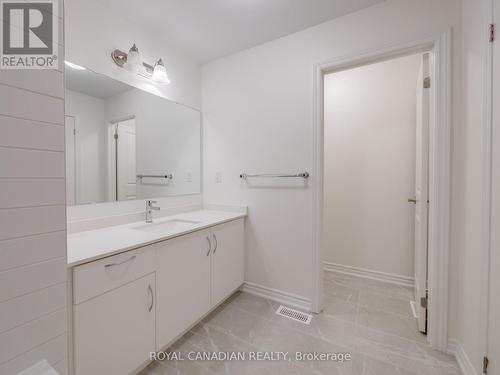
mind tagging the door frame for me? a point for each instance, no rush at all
(76, 163)
(439, 171)
(487, 199)
(111, 157)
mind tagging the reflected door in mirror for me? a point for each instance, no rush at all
(126, 180)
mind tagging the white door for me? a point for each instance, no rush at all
(125, 162)
(227, 259)
(422, 191)
(115, 332)
(494, 298)
(70, 160)
(183, 284)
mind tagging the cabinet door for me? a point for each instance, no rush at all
(227, 259)
(115, 332)
(183, 284)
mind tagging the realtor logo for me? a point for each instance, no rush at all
(29, 34)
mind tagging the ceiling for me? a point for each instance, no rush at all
(208, 29)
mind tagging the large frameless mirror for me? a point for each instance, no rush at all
(123, 143)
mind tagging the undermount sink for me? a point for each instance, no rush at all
(164, 226)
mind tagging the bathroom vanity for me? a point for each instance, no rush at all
(138, 280)
(137, 287)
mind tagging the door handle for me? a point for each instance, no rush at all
(216, 243)
(150, 290)
(209, 246)
(412, 200)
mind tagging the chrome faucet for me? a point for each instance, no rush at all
(149, 210)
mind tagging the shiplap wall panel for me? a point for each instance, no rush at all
(17, 193)
(18, 162)
(28, 221)
(29, 336)
(28, 307)
(45, 82)
(20, 281)
(53, 351)
(33, 261)
(23, 251)
(31, 134)
(30, 105)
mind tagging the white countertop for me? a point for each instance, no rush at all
(90, 245)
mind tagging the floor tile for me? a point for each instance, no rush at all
(390, 290)
(369, 320)
(325, 327)
(334, 288)
(260, 306)
(340, 308)
(390, 323)
(383, 302)
(371, 366)
(343, 279)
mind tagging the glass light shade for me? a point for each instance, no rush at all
(160, 73)
(134, 61)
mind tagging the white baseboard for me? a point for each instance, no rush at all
(370, 274)
(289, 299)
(456, 349)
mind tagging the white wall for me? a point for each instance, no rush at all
(468, 182)
(89, 112)
(93, 30)
(258, 117)
(369, 163)
(33, 321)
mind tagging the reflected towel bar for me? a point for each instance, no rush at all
(304, 175)
(166, 176)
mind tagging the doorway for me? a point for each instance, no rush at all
(439, 172)
(122, 174)
(376, 120)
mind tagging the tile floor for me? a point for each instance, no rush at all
(368, 319)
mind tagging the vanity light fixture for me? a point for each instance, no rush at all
(133, 62)
(160, 73)
(73, 66)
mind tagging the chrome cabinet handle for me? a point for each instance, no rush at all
(412, 200)
(216, 243)
(117, 264)
(209, 246)
(152, 298)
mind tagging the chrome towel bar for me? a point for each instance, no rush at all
(304, 175)
(167, 176)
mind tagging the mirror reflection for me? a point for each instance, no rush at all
(123, 143)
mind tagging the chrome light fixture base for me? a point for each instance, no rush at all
(120, 59)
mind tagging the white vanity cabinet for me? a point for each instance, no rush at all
(128, 305)
(227, 259)
(115, 332)
(183, 284)
(196, 272)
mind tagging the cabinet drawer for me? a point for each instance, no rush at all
(95, 278)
